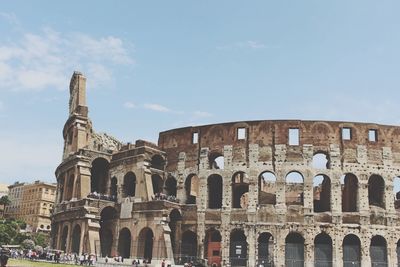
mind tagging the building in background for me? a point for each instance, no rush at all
(3, 192)
(32, 203)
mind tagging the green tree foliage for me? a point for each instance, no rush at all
(28, 244)
(41, 239)
(10, 232)
(4, 200)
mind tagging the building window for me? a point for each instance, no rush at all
(195, 138)
(372, 135)
(241, 133)
(346, 133)
(294, 136)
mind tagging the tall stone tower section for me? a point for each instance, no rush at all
(77, 129)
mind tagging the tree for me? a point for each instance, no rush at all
(28, 244)
(4, 201)
(41, 239)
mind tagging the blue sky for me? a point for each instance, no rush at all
(156, 65)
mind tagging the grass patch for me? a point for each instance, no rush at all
(28, 263)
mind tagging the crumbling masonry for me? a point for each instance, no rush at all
(281, 193)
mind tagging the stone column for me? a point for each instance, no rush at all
(365, 257)
(279, 255)
(251, 244)
(225, 245)
(308, 249)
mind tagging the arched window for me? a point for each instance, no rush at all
(99, 176)
(76, 239)
(174, 223)
(294, 250)
(349, 193)
(114, 189)
(129, 186)
(124, 243)
(240, 189)
(157, 183)
(396, 192)
(191, 188)
(157, 162)
(212, 248)
(238, 248)
(170, 186)
(323, 250)
(376, 191)
(320, 161)
(64, 236)
(189, 246)
(294, 188)
(108, 217)
(265, 250)
(267, 188)
(322, 193)
(145, 250)
(216, 161)
(351, 251)
(214, 184)
(378, 251)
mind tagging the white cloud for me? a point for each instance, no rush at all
(129, 105)
(156, 107)
(39, 61)
(249, 44)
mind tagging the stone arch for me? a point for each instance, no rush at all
(216, 161)
(378, 251)
(351, 250)
(108, 215)
(376, 191)
(214, 185)
(349, 183)
(99, 175)
(322, 193)
(174, 224)
(396, 192)
(145, 243)
(265, 254)
(129, 186)
(157, 162)
(76, 239)
(294, 249)
(323, 250)
(191, 188)
(321, 160)
(240, 189)
(267, 188)
(114, 187)
(64, 236)
(170, 186)
(124, 243)
(238, 248)
(398, 251)
(157, 183)
(189, 246)
(294, 188)
(212, 247)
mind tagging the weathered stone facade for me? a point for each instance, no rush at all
(244, 193)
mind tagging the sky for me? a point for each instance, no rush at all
(158, 65)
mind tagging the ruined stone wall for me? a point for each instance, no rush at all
(370, 150)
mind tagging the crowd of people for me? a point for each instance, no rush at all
(162, 196)
(101, 196)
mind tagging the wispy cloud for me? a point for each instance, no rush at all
(11, 18)
(38, 61)
(249, 44)
(129, 105)
(156, 107)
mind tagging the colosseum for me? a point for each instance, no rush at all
(250, 193)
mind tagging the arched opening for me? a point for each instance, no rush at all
(265, 250)
(323, 250)
(61, 189)
(214, 184)
(396, 192)
(189, 247)
(349, 184)
(216, 161)
(63, 245)
(124, 243)
(114, 188)
(129, 186)
(191, 188)
(398, 253)
(240, 189)
(157, 183)
(294, 250)
(76, 239)
(99, 176)
(376, 191)
(267, 188)
(157, 162)
(213, 247)
(322, 193)
(145, 244)
(378, 251)
(238, 248)
(294, 189)
(320, 161)
(70, 186)
(174, 224)
(170, 186)
(351, 251)
(108, 217)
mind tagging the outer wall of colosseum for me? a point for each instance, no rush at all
(252, 193)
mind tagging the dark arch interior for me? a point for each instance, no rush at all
(146, 244)
(191, 185)
(323, 250)
(157, 183)
(189, 246)
(170, 186)
(99, 176)
(174, 222)
(114, 189)
(124, 243)
(212, 247)
(239, 188)
(216, 160)
(349, 193)
(76, 239)
(265, 249)
(294, 250)
(376, 189)
(129, 186)
(378, 251)
(64, 236)
(322, 194)
(107, 218)
(238, 248)
(157, 162)
(215, 192)
(351, 250)
(267, 188)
